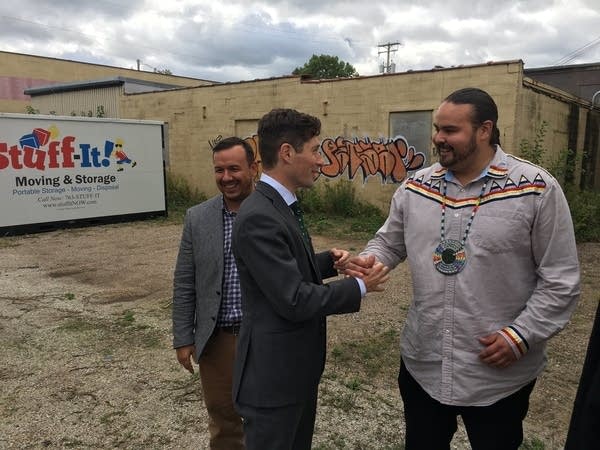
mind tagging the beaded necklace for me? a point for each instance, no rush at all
(449, 257)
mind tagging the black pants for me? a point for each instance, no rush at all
(288, 427)
(584, 429)
(430, 425)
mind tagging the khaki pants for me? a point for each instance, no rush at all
(216, 369)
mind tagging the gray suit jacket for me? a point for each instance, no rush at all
(198, 275)
(281, 347)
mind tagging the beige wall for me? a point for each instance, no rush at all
(354, 108)
(19, 71)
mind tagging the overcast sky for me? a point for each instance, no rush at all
(236, 40)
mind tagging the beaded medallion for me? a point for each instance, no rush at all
(450, 257)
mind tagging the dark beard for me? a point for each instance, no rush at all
(457, 158)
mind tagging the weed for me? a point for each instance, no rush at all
(339, 399)
(128, 318)
(181, 196)
(532, 444)
(353, 384)
(534, 152)
(69, 296)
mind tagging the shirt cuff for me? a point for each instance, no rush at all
(362, 286)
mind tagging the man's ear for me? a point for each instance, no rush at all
(254, 170)
(285, 152)
(486, 130)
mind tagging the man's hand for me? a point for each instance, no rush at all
(358, 266)
(497, 352)
(340, 258)
(376, 276)
(185, 357)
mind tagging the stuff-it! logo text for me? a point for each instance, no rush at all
(44, 149)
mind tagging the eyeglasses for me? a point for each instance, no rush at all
(118, 145)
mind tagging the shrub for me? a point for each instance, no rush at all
(585, 211)
(181, 196)
(584, 205)
(334, 209)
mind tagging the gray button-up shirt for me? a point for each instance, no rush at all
(521, 271)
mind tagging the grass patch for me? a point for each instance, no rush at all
(532, 444)
(79, 325)
(370, 356)
(107, 335)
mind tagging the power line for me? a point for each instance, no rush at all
(575, 53)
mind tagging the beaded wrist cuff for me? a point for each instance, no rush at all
(517, 342)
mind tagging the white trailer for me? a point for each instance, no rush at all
(57, 171)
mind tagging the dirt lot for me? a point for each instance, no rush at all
(87, 363)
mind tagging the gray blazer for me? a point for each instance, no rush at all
(198, 275)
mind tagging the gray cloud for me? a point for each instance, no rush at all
(270, 38)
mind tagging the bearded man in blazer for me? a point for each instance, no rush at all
(281, 347)
(206, 295)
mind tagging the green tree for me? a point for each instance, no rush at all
(326, 66)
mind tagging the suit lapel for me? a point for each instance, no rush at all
(288, 215)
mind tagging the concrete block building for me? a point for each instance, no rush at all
(375, 128)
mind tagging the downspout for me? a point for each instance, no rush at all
(594, 98)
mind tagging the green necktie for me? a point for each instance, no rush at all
(300, 218)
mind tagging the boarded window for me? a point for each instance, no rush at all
(415, 126)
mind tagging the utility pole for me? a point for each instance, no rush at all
(389, 48)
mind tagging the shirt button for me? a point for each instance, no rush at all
(456, 214)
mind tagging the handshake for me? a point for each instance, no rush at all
(373, 273)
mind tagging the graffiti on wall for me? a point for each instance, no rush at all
(391, 159)
(253, 141)
(214, 141)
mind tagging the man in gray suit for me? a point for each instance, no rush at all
(206, 296)
(281, 347)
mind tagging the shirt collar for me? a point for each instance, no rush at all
(225, 209)
(288, 196)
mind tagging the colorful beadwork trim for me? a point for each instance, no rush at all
(517, 342)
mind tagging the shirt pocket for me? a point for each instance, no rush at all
(501, 231)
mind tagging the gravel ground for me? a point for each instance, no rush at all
(87, 362)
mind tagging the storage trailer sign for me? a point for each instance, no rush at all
(56, 169)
